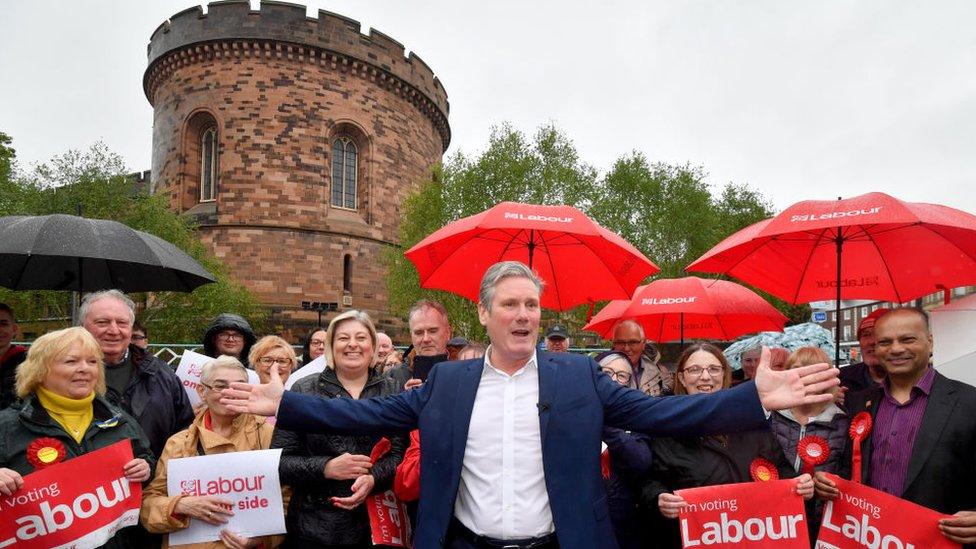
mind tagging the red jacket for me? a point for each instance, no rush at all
(406, 483)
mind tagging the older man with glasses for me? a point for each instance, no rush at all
(651, 378)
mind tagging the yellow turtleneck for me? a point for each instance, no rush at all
(75, 415)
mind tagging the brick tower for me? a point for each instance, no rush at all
(292, 141)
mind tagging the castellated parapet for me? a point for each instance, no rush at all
(279, 89)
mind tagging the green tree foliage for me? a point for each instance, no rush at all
(668, 212)
(94, 183)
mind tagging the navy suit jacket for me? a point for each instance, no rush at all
(576, 399)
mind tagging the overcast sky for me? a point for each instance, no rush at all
(802, 100)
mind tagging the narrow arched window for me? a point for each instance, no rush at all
(347, 273)
(344, 163)
(208, 165)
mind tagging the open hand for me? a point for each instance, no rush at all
(263, 399)
(360, 489)
(779, 390)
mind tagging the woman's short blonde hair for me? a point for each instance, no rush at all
(359, 316)
(264, 346)
(51, 347)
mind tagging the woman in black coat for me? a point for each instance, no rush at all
(706, 461)
(332, 475)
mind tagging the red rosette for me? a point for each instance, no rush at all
(860, 426)
(813, 451)
(762, 470)
(45, 451)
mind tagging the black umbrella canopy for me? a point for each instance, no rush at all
(67, 252)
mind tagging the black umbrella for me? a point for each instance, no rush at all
(66, 252)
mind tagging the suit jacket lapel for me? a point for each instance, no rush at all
(467, 389)
(938, 409)
(547, 391)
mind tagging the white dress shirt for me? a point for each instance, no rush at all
(503, 487)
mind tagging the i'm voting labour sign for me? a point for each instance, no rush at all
(752, 514)
(248, 479)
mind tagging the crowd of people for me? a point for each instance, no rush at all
(492, 445)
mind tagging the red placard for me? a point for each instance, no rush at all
(388, 518)
(78, 503)
(864, 517)
(752, 514)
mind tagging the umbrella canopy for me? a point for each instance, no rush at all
(579, 260)
(66, 252)
(692, 308)
(871, 246)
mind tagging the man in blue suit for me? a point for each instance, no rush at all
(511, 442)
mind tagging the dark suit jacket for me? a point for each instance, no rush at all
(576, 399)
(942, 467)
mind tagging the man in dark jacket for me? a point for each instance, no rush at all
(10, 356)
(430, 331)
(231, 335)
(923, 436)
(137, 381)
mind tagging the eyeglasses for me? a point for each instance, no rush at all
(269, 360)
(317, 343)
(217, 385)
(621, 376)
(627, 343)
(138, 337)
(696, 371)
(229, 336)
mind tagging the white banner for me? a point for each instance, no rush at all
(248, 479)
(190, 368)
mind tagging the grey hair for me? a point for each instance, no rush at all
(91, 298)
(361, 317)
(630, 322)
(500, 271)
(222, 361)
(427, 304)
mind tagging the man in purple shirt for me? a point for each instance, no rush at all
(922, 446)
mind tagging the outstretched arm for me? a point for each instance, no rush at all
(313, 414)
(738, 409)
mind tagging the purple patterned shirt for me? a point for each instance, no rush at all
(895, 428)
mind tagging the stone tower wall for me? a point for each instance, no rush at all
(279, 87)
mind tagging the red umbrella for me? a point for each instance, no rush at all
(579, 260)
(691, 307)
(871, 246)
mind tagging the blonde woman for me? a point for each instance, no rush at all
(63, 414)
(332, 475)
